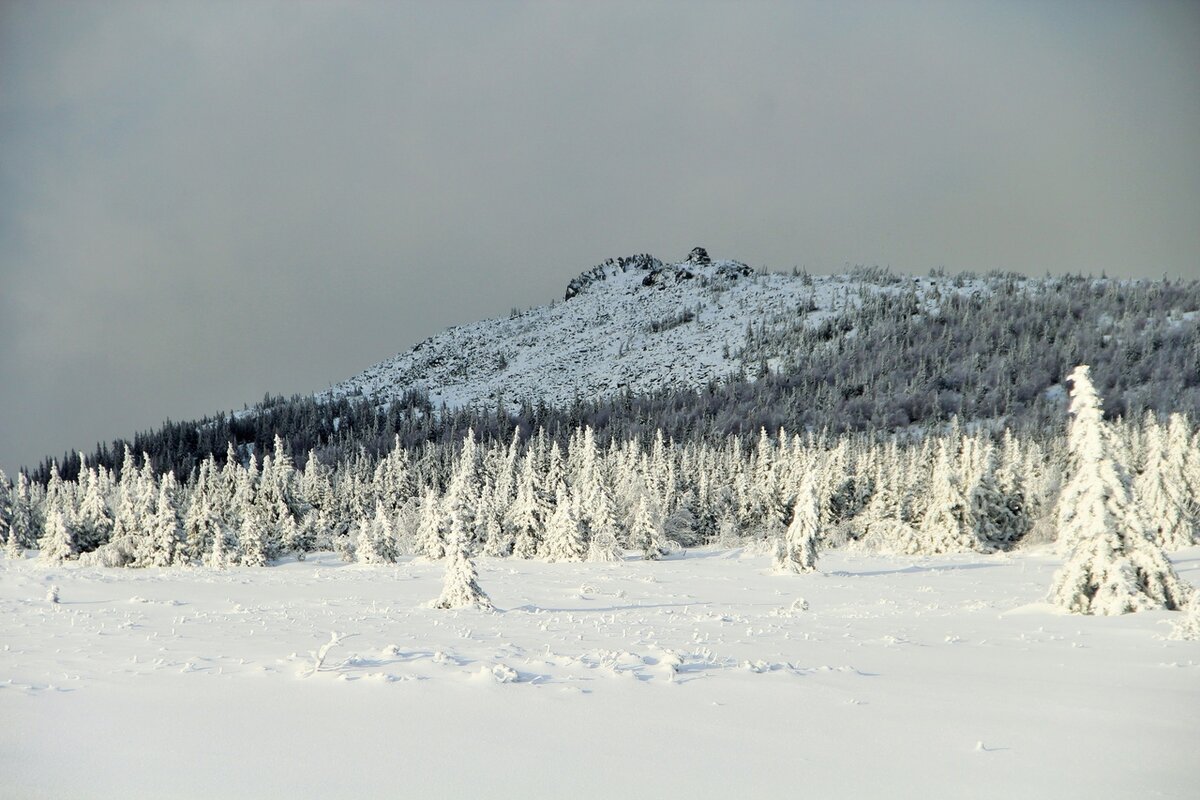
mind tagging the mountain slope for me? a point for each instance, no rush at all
(633, 323)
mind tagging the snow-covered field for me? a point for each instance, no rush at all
(698, 676)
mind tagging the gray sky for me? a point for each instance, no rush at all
(201, 202)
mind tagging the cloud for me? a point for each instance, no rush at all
(204, 202)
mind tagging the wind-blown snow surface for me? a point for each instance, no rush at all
(701, 676)
(621, 329)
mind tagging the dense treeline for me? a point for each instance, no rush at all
(590, 500)
(883, 362)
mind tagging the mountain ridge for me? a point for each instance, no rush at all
(633, 323)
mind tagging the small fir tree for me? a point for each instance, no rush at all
(796, 551)
(460, 587)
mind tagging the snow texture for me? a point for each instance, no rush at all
(692, 676)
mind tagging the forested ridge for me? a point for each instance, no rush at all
(886, 361)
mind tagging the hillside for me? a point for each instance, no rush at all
(634, 323)
(702, 348)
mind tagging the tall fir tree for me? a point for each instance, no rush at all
(1113, 565)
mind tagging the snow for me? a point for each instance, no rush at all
(601, 340)
(703, 674)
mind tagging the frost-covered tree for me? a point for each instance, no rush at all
(430, 538)
(376, 541)
(460, 587)
(6, 493)
(497, 540)
(564, 535)
(946, 525)
(1161, 489)
(161, 544)
(603, 544)
(220, 548)
(23, 530)
(727, 531)
(1113, 565)
(644, 533)
(796, 550)
(252, 538)
(93, 520)
(524, 515)
(58, 542)
(461, 502)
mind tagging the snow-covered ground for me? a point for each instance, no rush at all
(698, 676)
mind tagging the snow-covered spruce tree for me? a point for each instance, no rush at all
(14, 546)
(564, 536)
(1010, 482)
(601, 527)
(23, 530)
(93, 520)
(376, 542)
(1180, 452)
(524, 515)
(991, 516)
(460, 588)
(1161, 493)
(1113, 565)
(727, 531)
(796, 550)
(252, 539)
(6, 491)
(430, 538)
(58, 542)
(946, 526)
(220, 548)
(161, 544)
(644, 534)
(497, 540)
(461, 501)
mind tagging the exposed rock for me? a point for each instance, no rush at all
(643, 262)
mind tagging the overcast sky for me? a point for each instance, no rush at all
(203, 202)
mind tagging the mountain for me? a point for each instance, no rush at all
(633, 324)
(704, 348)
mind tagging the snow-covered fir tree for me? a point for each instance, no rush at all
(376, 541)
(524, 516)
(430, 537)
(946, 525)
(1161, 489)
(161, 544)
(644, 533)
(252, 538)
(460, 586)
(796, 550)
(6, 491)
(93, 520)
(1113, 565)
(220, 548)
(564, 536)
(58, 541)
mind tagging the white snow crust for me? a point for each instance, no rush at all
(700, 675)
